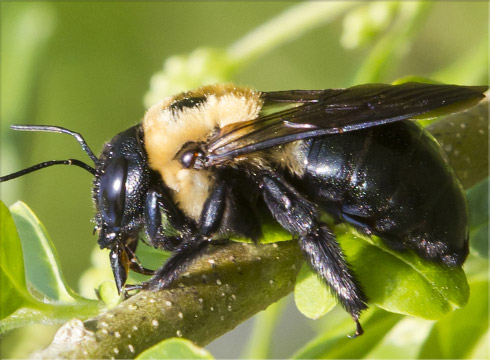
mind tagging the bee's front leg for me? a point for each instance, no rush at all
(195, 245)
(159, 212)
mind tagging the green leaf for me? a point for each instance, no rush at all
(14, 294)
(175, 348)
(327, 346)
(312, 297)
(478, 208)
(41, 313)
(149, 256)
(398, 282)
(414, 78)
(108, 294)
(403, 282)
(460, 334)
(43, 269)
(17, 306)
(272, 233)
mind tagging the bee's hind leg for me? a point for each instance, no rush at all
(324, 255)
(320, 248)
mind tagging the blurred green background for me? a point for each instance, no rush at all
(87, 66)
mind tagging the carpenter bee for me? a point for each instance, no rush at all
(219, 161)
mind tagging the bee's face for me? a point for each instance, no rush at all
(111, 198)
(120, 186)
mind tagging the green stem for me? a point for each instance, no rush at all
(393, 45)
(291, 24)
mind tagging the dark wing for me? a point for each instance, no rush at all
(322, 112)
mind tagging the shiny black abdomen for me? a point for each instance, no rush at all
(392, 181)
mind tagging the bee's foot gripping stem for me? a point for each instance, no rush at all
(359, 330)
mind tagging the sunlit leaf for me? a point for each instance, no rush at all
(312, 297)
(403, 282)
(14, 294)
(108, 294)
(175, 348)
(414, 78)
(43, 269)
(17, 306)
(150, 257)
(272, 233)
(398, 282)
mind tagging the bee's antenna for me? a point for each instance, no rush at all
(59, 129)
(55, 129)
(46, 164)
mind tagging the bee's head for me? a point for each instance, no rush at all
(120, 186)
(121, 183)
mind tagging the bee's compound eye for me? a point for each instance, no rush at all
(112, 191)
(188, 158)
